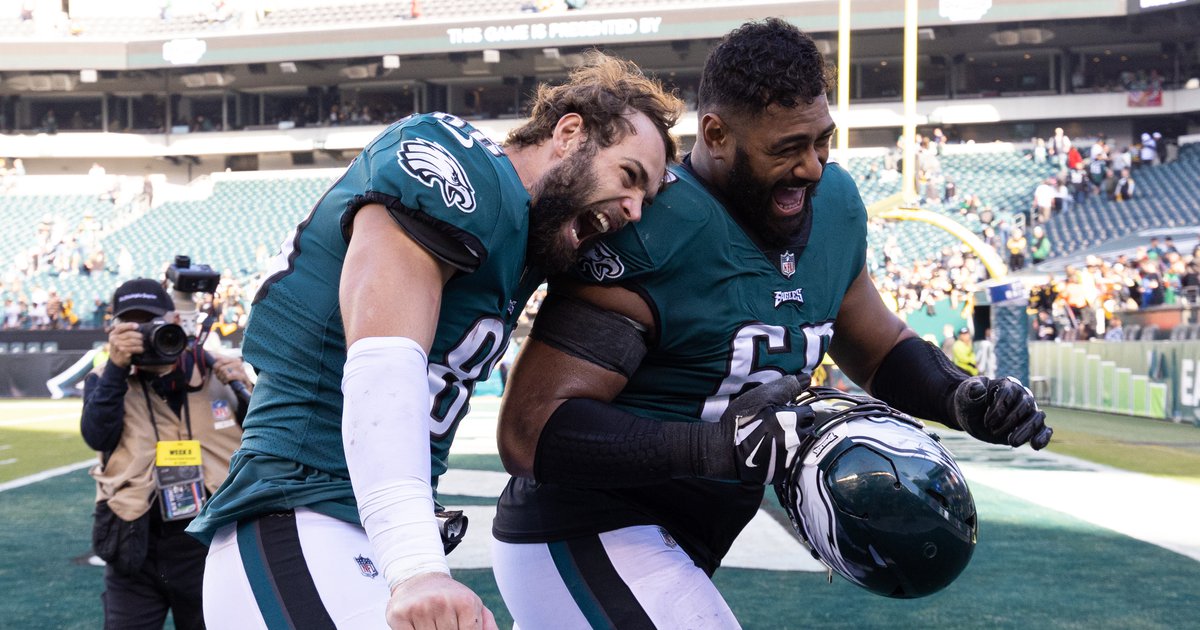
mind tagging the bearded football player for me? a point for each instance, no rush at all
(386, 304)
(653, 402)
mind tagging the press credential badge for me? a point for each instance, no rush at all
(179, 478)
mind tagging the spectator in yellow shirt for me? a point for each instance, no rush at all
(963, 352)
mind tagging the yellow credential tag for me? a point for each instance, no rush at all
(178, 453)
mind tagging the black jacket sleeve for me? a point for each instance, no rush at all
(104, 407)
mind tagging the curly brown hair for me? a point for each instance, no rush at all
(760, 64)
(602, 91)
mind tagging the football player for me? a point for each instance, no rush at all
(386, 304)
(625, 496)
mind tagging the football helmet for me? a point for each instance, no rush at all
(878, 499)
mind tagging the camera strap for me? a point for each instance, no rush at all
(200, 364)
(178, 470)
(203, 327)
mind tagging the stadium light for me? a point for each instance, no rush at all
(184, 51)
(1008, 37)
(491, 55)
(964, 114)
(963, 10)
(391, 62)
(287, 67)
(1035, 35)
(359, 72)
(206, 79)
(88, 76)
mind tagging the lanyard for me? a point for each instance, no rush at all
(180, 483)
(187, 414)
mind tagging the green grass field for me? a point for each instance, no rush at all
(1034, 567)
(1142, 445)
(39, 435)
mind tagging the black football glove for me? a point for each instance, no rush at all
(452, 524)
(1001, 411)
(767, 432)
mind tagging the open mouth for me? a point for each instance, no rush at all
(589, 224)
(789, 200)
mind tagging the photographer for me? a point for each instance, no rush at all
(165, 430)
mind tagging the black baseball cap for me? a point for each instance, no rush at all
(141, 294)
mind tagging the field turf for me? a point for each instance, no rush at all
(1035, 567)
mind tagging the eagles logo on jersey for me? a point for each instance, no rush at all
(601, 263)
(434, 166)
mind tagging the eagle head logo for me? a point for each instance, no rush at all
(601, 263)
(433, 166)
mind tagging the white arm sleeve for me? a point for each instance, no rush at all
(385, 433)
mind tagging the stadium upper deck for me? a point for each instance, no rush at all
(296, 79)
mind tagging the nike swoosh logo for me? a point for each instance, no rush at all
(466, 141)
(750, 460)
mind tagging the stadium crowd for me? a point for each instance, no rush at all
(39, 308)
(1081, 303)
(1084, 303)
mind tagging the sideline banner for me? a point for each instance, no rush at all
(1154, 379)
(25, 375)
(1187, 382)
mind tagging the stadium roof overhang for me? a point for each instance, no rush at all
(518, 31)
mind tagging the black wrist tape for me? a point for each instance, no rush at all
(586, 331)
(591, 444)
(917, 378)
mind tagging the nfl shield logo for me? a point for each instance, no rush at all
(787, 264)
(367, 567)
(221, 411)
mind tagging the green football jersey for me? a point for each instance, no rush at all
(454, 191)
(729, 316)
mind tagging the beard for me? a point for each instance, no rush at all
(750, 200)
(559, 197)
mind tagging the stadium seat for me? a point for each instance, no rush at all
(223, 231)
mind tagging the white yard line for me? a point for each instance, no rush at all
(16, 422)
(45, 474)
(1160, 511)
(1164, 512)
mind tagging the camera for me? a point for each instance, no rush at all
(186, 278)
(162, 343)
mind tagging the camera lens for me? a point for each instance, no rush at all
(169, 340)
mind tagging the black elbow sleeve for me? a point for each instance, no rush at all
(588, 443)
(917, 378)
